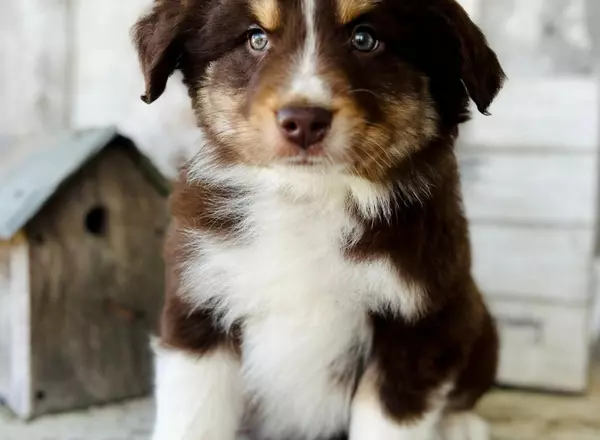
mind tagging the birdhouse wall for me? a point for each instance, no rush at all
(4, 315)
(15, 383)
(97, 285)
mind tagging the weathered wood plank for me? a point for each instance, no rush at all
(595, 320)
(15, 373)
(4, 316)
(546, 113)
(593, 18)
(533, 262)
(543, 345)
(34, 67)
(97, 285)
(541, 188)
(107, 78)
(539, 37)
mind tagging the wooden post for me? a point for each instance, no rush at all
(15, 355)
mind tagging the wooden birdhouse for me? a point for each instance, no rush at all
(82, 219)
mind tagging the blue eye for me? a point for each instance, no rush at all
(364, 40)
(258, 40)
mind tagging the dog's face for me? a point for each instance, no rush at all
(354, 86)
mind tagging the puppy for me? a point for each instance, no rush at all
(318, 262)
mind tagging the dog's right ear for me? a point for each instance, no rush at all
(157, 40)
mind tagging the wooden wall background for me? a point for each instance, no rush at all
(542, 138)
(70, 63)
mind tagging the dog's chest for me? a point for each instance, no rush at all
(304, 310)
(305, 331)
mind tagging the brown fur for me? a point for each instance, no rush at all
(182, 325)
(349, 10)
(267, 13)
(193, 205)
(401, 107)
(456, 337)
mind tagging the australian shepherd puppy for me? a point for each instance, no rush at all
(318, 265)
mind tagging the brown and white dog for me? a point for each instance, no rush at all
(319, 281)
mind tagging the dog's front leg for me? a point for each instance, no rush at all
(372, 420)
(198, 397)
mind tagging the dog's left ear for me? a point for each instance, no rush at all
(480, 69)
(156, 38)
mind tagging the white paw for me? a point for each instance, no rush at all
(464, 426)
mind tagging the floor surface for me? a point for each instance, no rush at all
(513, 415)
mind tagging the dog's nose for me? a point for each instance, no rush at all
(304, 126)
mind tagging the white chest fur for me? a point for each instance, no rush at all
(302, 304)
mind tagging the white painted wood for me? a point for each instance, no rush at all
(544, 188)
(543, 345)
(107, 77)
(592, 20)
(595, 322)
(533, 262)
(539, 38)
(4, 316)
(34, 70)
(16, 342)
(544, 113)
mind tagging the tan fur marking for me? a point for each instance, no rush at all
(349, 10)
(267, 13)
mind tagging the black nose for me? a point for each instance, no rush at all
(304, 126)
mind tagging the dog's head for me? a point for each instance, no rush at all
(351, 85)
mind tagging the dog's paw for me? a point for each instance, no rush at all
(464, 426)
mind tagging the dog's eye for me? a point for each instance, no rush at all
(258, 39)
(364, 40)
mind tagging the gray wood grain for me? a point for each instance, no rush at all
(543, 346)
(96, 297)
(539, 37)
(593, 22)
(533, 262)
(552, 113)
(531, 187)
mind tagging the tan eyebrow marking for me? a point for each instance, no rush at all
(348, 10)
(267, 13)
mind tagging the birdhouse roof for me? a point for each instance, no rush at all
(32, 170)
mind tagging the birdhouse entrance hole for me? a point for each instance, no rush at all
(95, 220)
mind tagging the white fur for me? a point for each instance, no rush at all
(464, 426)
(303, 304)
(371, 422)
(198, 398)
(306, 82)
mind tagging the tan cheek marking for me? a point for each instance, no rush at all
(383, 146)
(221, 111)
(267, 13)
(349, 10)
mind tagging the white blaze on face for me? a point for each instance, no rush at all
(306, 82)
